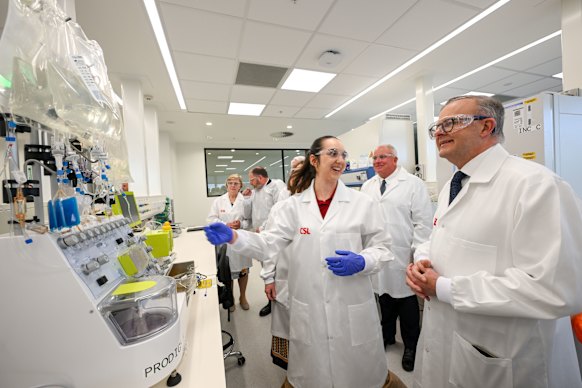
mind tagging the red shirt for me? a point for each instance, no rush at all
(324, 205)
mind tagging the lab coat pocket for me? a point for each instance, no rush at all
(473, 366)
(364, 322)
(299, 322)
(467, 257)
(282, 292)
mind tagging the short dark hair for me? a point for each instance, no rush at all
(262, 171)
(488, 106)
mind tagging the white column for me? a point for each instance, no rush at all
(571, 37)
(424, 117)
(152, 146)
(133, 119)
(167, 164)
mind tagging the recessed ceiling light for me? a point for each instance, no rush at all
(219, 171)
(289, 126)
(232, 150)
(307, 80)
(225, 157)
(278, 161)
(255, 163)
(221, 165)
(256, 153)
(237, 161)
(239, 108)
(231, 168)
(473, 93)
(559, 75)
(210, 153)
(208, 123)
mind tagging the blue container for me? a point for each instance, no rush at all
(52, 216)
(59, 215)
(71, 212)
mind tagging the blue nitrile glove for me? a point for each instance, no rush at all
(218, 233)
(347, 263)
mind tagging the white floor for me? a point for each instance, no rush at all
(253, 338)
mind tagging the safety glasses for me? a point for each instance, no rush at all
(447, 124)
(333, 152)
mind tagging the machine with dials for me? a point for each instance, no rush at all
(88, 308)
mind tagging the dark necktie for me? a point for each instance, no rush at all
(383, 186)
(456, 185)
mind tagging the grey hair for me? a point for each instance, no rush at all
(391, 148)
(488, 106)
(297, 160)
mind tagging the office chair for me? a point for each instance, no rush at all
(226, 298)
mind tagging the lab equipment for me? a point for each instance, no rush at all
(356, 177)
(78, 319)
(346, 264)
(218, 233)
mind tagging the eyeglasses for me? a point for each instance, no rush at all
(383, 156)
(333, 152)
(447, 124)
(233, 183)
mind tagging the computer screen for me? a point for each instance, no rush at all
(126, 205)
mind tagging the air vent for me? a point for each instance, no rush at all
(391, 116)
(280, 135)
(259, 75)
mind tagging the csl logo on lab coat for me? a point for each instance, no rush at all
(304, 231)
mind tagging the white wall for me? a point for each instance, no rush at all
(191, 205)
(400, 133)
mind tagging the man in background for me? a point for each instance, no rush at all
(258, 204)
(407, 209)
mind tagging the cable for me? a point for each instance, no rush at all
(41, 164)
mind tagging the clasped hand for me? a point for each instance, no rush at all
(347, 263)
(421, 279)
(218, 233)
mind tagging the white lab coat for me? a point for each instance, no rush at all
(259, 203)
(222, 211)
(408, 214)
(275, 270)
(511, 244)
(335, 334)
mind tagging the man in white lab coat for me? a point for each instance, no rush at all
(258, 204)
(502, 271)
(407, 211)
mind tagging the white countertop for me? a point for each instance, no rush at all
(203, 364)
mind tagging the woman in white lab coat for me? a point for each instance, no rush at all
(229, 209)
(336, 241)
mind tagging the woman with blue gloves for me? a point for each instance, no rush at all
(336, 240)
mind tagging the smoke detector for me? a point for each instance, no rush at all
(330, 58)
(148, 97)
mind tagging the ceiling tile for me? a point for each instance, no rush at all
(297, 14)
(228, 7)
(251, 94)
(205, 91)
(327, 101)
(204, 68)
(535, 87)
(291, 98)
(478, 3)
(482, 78)
(280, 111)
(502, 86)
(271, 45)
(204, 106)
(378, 60)
(548, 68)
(346, 84)
(424, 16)
(349, 49)
(535, 56)
(195, 31)
(367, 22)
(311, 113)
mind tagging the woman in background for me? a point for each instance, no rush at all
(228, 209)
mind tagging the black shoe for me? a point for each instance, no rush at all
(408, 359)
(389, 341)
(265, 310)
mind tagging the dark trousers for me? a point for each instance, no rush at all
(407, 310)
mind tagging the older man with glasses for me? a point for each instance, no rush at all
(501, 272)
(407, 210)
